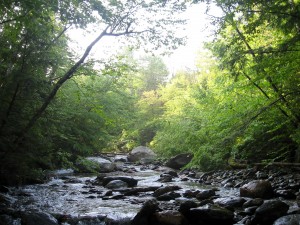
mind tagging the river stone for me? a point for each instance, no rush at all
(164, 178)
(143, 217)
(179, 161)
(38, 218)
(116, 184)
(230, 202)
(269, 211)
(141, 154)
(163, 190)
(253, 202)
(257, 189)
(169, 217)
(288, 220)
(105, 165)
(210, 214)
(205, 194)
(168, 196)
(185, 206)
(287, 194)
(131, 182)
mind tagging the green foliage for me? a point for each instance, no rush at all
(44, 125)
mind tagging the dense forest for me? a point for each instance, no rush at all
(242, 102)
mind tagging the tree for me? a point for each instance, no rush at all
(257, 43)
(36, 63)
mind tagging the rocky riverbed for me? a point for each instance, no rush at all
(148, 194)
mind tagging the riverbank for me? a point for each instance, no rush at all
(144, 194)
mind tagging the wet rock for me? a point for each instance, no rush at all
(163, 190)
(172, 173)
(143, 217)
(179, 161)
(190, 193)
(165, 178)
(185, 206)
(257, 189)
(230, 202)
(287, 194)
(131, 182)
(288, 220)
(269, 211)
(141, 154)
(38, 218)
(116, 184)
(168, 196)
(169, 217)
(210, 214)
(205, 194)
(253, 202)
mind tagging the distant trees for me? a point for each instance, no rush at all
(247, 104)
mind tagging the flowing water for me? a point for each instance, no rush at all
(76, 196)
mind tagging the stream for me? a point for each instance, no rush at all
(77, 196)
(215, 197)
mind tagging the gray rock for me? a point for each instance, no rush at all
(38, 218)
(168, 196)
(253, 202)
(170, 217)
(287, 194)
(163, 190)
(205, 194)
(269, 211)
(257, 189)
(230, 202)
(179, 161)
(105, 165)
(143, 217)
(211, 214)
(141, 154)
(116, 184)
(131, 182)
(185, 206)
(165, 178)
(288, 220)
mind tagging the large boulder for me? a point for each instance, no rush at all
(179, 161)
(94, 165)
(257, 189)
(269, 211)
(143, 217)
(104, 165)
(141, 154)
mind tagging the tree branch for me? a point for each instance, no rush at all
(57, 86)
